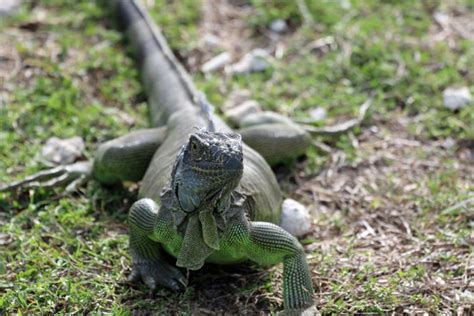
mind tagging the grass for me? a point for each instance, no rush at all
(74, 77)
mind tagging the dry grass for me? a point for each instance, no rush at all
(383, 235)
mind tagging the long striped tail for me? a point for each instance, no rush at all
(167, 84)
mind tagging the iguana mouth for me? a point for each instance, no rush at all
(207, 171)
(209, 200)
(231, 166)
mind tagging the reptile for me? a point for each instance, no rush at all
(207, 193)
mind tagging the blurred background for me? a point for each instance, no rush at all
(392, 196)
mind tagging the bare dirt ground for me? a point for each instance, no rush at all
(373, 218)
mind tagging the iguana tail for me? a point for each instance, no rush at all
(167, 85)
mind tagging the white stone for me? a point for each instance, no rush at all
(295, 218)
(311, 311)
(237, 97)
(456, 98)
(278, 26)
(8, 6)
(237, 113)
(216, 62)
(448, 143)
(442, 19)
(63, 151)
(345, 4)
(211, 40)
(255, 61)
(317, 114)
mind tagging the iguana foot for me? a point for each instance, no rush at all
(72, 176)
(155, 274)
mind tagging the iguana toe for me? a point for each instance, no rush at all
(150, 282)
(134, 277)
(155, 274)
(71, 176)
(183, 283)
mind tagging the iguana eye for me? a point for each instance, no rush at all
(194, 146)
(196, 151)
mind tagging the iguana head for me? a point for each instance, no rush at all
(208, 167)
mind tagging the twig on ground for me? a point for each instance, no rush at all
(305, 14)
(322, 146)
(458, 205)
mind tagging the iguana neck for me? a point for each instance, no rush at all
(200, 230)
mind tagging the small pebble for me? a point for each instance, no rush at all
(255, 61)
(8, 6)
(345, 4)
(210, 40)
(278, 26)
(236, 97)
(216, 62)
(456, 98)
(448, 143)
(63, 151)
(318, 114)
(237, 113)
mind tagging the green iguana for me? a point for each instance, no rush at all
(207, 193)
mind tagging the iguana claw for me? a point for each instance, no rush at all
(71, 176)
(155, 274)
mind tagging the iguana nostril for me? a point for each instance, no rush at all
(234, 163)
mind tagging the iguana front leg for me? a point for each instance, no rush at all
(266, 243)
(148, 263)
(126, 158)
(269, 244)
(122, 158)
